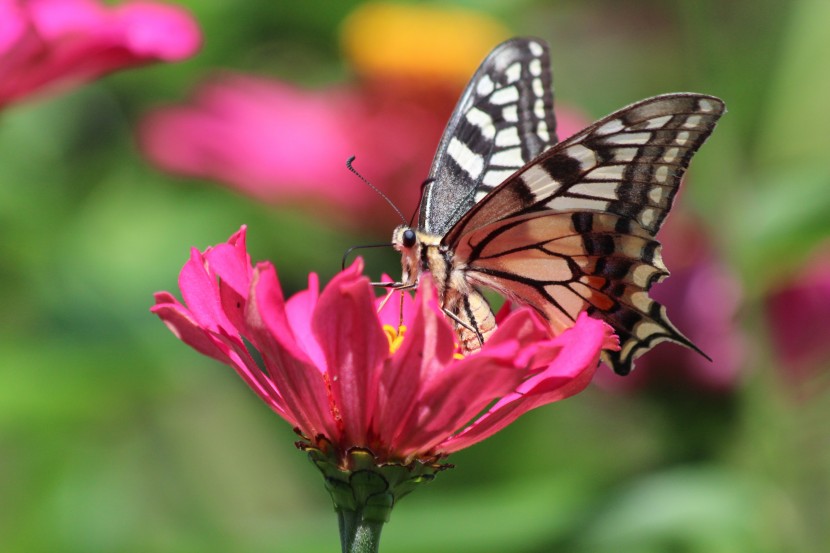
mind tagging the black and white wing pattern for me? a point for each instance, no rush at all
(503, 120)
(574, 229)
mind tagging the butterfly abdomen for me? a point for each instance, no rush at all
(473, 317)
(471, 314)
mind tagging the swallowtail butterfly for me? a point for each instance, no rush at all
(562, 227)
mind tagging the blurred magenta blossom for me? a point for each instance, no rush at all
(49, 44)
(338, 367)
(276, 142)
(798, 318)
(702, 298)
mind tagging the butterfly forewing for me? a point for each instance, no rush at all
(503, 120)
(573, 230)
(629, 163)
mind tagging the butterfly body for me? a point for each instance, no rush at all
(562, 227)
(423, 252)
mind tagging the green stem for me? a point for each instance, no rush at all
(364, 491)
(357, 534)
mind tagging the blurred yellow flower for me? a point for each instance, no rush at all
(442, 43)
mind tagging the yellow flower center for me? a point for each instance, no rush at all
(395, 336)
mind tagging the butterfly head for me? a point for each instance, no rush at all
(405, 240)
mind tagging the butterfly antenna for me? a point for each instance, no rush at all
(373, 187)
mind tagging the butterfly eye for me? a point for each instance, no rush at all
(408, 238)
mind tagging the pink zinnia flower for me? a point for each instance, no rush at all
(58, 43)
(279, 143)
(377, 404)
(797, 311)
(335, 367)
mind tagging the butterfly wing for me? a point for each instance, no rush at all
(503, 120)
(565, 263)
(575, 228)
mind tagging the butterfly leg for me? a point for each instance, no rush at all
(466, 326)
(393, 287)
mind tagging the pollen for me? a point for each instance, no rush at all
(459, 352)
(395, 336)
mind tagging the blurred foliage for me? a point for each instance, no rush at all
(116, 437)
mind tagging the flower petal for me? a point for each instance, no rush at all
(301, 385)
(160, 31)
(299, 308)
(262, 137)
(231, 263)
(427, 347)
(60, 42)
(458, 393)
(185, 328)
(569, 372)
(201, 293)
(220, 340)
(348, 329)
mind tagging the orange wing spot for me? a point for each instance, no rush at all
(601, 301)
(598, 299)
(596, 282)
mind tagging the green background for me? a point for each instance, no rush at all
(116, 437)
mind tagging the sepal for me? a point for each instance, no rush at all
(357, 482)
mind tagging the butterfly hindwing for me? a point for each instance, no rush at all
(574, 229)
(503, 120)
(568, 262)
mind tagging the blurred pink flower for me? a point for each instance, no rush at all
(59, 43)
(275, 142)
(798, 318)
(339, 371)
(702, 298)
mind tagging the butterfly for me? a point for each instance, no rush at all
(563, 227)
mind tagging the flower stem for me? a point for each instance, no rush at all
(358, 534)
